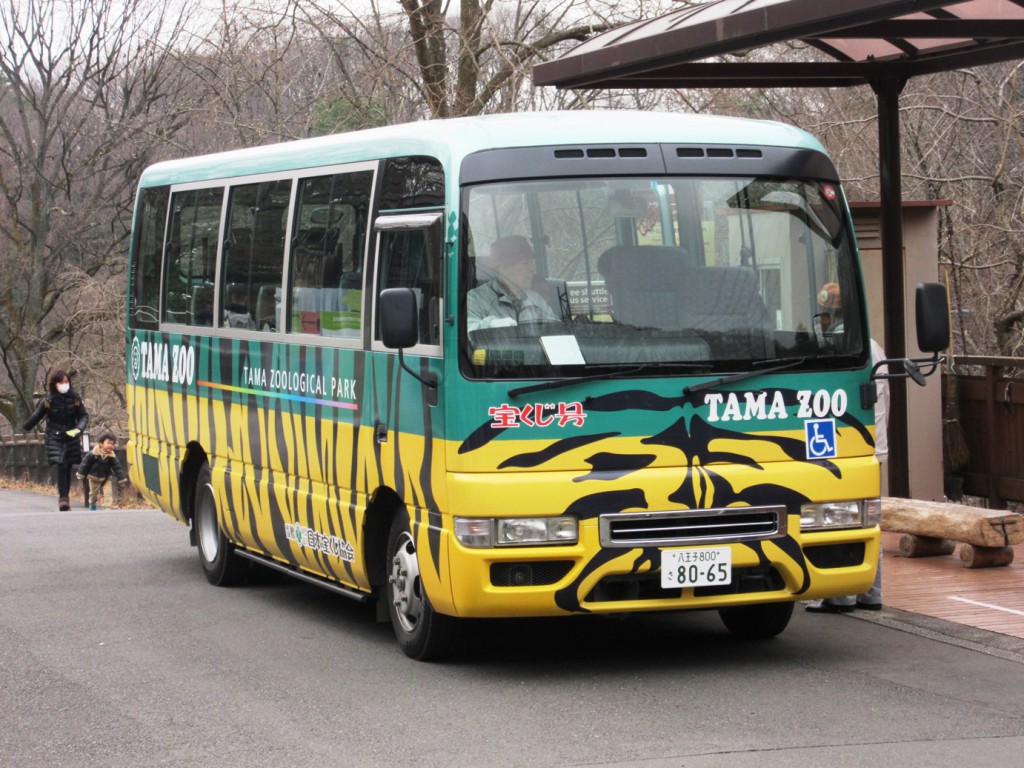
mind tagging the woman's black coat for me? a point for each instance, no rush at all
(62, 413)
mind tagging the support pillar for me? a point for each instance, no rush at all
(893, 287)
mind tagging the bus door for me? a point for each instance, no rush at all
(405, 413)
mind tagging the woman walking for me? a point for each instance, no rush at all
(66, 417)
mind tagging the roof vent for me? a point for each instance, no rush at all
(600, 153)
(717, 152)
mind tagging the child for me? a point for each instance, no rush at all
(99, 464)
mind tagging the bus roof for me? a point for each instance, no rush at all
(451, 140)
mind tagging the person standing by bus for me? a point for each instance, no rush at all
(66, 417)
(872, 599)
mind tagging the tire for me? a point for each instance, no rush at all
(422, 633)
(216, 554)
(757, 622)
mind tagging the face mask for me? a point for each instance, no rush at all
(63, 388)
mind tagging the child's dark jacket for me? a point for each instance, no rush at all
(101, 465)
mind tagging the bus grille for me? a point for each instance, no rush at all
(698, 526)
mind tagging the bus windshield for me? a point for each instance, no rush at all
(673, 274)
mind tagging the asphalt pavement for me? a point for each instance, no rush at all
(114, 651)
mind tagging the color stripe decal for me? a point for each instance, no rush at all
(279, 395)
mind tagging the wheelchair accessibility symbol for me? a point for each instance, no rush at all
(821, 438)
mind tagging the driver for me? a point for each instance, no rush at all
(508, 299)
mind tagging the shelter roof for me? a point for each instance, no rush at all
(862, 41)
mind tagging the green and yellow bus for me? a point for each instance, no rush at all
(542, 364)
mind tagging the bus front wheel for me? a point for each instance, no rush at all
(216, 553)
(757, 622)
(422, 633)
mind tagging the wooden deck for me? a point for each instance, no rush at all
(985, 598)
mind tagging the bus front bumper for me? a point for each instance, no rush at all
(587, 578)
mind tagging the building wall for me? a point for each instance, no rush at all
(921, 258)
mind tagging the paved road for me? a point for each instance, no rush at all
(116, 652)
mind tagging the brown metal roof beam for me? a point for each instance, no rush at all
(809, 74)
(719, 35)
(746, 74)
(973, 56)
(931, 28)
(766, 82)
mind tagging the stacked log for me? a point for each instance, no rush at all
(933, 528)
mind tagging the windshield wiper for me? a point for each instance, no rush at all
(744, 375)
(616, 374)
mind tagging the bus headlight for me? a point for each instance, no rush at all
(515, 531)
(861, 513)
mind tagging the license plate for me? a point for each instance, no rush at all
(705, 567)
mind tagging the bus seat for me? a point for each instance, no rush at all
(556, 293)
(236, 307)
(645, 282)
(267, 303)
(725, 305)
(483, 271)
(201, 307)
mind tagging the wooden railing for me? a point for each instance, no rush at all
(23, 459)
(990, 393)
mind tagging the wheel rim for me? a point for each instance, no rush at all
(206, 519)
(406, 592)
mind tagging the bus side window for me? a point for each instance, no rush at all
(147, 253)
(411, 259)
(253, 253)
(327, 249)
(192, 256)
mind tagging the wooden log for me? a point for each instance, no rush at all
(939, 520)
(912, 545)
(985, 557)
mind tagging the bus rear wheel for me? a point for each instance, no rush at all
(757, 622)
(216, 554)
(422, 632)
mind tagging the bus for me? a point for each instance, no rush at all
(525, 365)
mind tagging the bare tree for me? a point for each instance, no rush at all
(84, 91)
(439, 61)
(261, 73)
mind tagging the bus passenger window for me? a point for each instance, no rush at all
(253, 253)
(328, 246)
(147, 252)
(192, 256)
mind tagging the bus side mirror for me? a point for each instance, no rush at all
(400, 329)
(932, 317)
(399, 318)
(932, 336)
